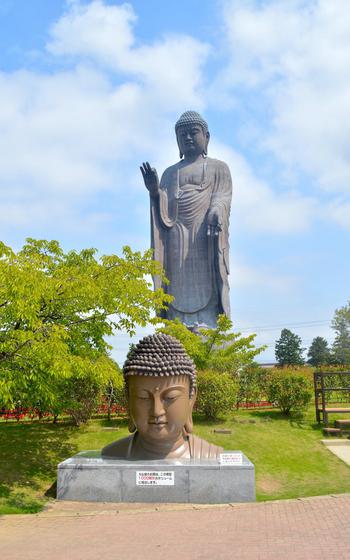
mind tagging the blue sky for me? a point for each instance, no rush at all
(90, 89)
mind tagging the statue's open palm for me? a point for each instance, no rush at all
(150, 177)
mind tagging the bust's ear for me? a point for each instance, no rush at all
(189, 422)
(131, 425)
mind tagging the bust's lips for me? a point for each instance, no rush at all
(158, 423)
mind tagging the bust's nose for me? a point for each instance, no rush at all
(158, 407)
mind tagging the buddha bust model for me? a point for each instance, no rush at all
(160, 381)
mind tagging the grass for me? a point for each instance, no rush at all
(289, 459)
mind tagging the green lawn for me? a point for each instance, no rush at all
(289, 459)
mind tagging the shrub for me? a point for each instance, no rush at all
(289, 393)
(252, 385)
(305, 371)
(81, 393)
(217, 393)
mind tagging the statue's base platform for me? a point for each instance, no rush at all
(88, 477)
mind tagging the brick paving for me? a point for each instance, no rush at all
(304, 529)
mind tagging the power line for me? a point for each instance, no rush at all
(303, 324)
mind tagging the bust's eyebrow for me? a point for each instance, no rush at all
(171, 387)
(174, 387)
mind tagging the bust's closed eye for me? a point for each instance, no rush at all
(172, 395)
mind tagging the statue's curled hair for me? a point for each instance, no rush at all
(159, 355)
(191, 118)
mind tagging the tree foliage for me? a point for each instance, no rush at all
(319, 353)
(288, 349)
(56, 310)
(341, 345)
(216, 349)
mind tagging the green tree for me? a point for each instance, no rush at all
(216, 349)
(56, 310)
(288, 349)
(341, 344)
(319, 353)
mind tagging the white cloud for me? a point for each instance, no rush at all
(339, 212)
(95, 30)
(257, 207)
(69, 134)
(298, 54)
(55, 136)
(104, 35)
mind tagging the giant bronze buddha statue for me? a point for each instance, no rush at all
(160, 381)
(190, 209)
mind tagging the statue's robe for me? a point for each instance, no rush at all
(197, 448)
(197, 265)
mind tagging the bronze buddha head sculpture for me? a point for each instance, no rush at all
(160, 380)
(192, 135)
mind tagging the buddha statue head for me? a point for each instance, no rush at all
(160, 381)
(192, 135)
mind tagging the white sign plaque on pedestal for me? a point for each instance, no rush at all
(155, 478)
(231, 458)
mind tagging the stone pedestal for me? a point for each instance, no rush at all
(88, 477)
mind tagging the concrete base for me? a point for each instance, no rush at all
(88, 477)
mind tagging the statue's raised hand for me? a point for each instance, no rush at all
(150, 178)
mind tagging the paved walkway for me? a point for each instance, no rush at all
(304, 529)
(340, 448)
